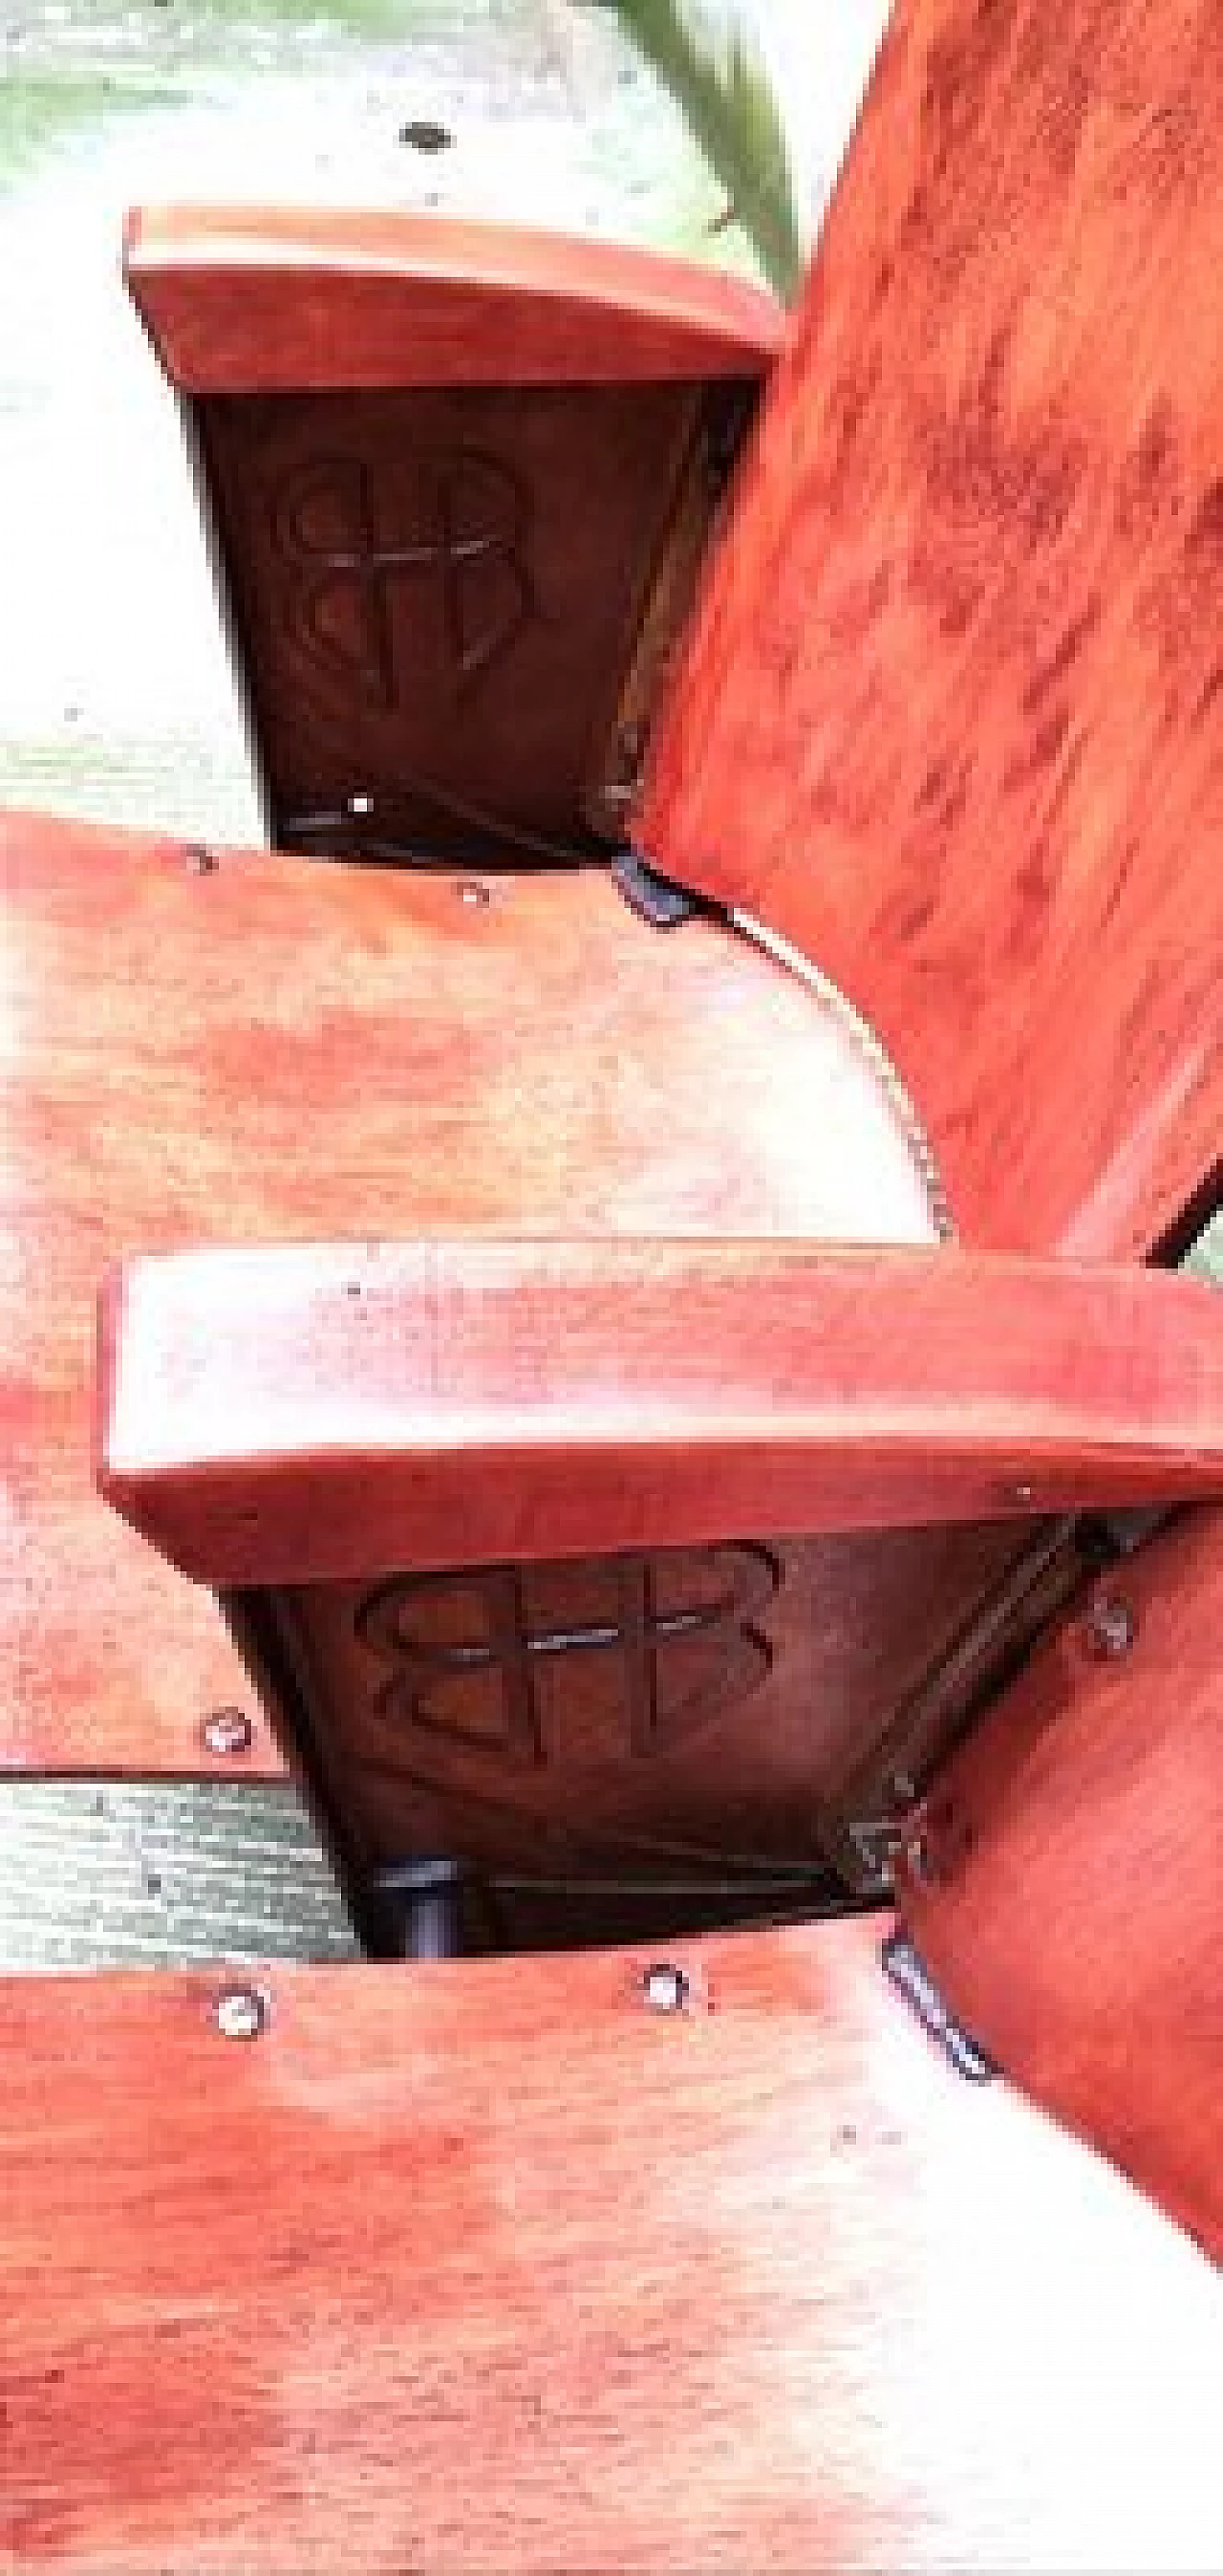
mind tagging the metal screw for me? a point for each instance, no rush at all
(241, 2012)
(472, 892)
(1023, 1494)
(665, 1988)
(1110, 1625)
(201, 862)
(228, 1731)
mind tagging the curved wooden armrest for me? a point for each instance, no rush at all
(302, 1416)
(403, 299)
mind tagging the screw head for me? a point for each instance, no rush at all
(240, 2012)
(201, 862)
(228, 1731)
(665, 1988)
(1110, 1625)
(473, 893)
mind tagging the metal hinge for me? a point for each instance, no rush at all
(874, 1842)
(878, 1841)
(654, 898)
(907, 1971)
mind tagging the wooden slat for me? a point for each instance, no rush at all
(952, 717)
(306, 1416)
(1076, 1842)
(269, 1050)
(246, 300)
(492, 2266)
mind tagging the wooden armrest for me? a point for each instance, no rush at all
(402, 299)
(300, 1416)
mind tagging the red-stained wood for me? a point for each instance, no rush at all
(460, 478)
(442, 597)
(951, 716)
(311, 1415)
(708, 1722)
(261, 299)
(493, 2266)
(267, 1049)
(1067, 1896)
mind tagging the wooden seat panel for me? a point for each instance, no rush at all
(253, 1049)
(491, 2264)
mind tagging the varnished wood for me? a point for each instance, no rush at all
(951, 717)
(664, 1698)
(437, 594)
(491, 2265)
(266, 1049)
(648, 1726)
(460, 479)
(306, 1416)
(256, 299)
(1067, 1896)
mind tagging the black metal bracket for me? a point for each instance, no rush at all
(654, 898)
(905, 1970)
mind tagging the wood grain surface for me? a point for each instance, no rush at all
(952, 717)
(260, 1049)
(255, 299)
(691, 1720)
(437, 594)
(460, 477)
(1072, 1914)
(494, 2267)
(306, 1415)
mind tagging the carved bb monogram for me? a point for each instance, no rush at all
(349, 540)
(427, 1674)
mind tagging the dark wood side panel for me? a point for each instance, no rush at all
(257, 1050)
(439, 591)
(493, 2266)
(303, 1416)
(681, 1719)
(1065, 1889)
(256, 299)
(952, 714)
